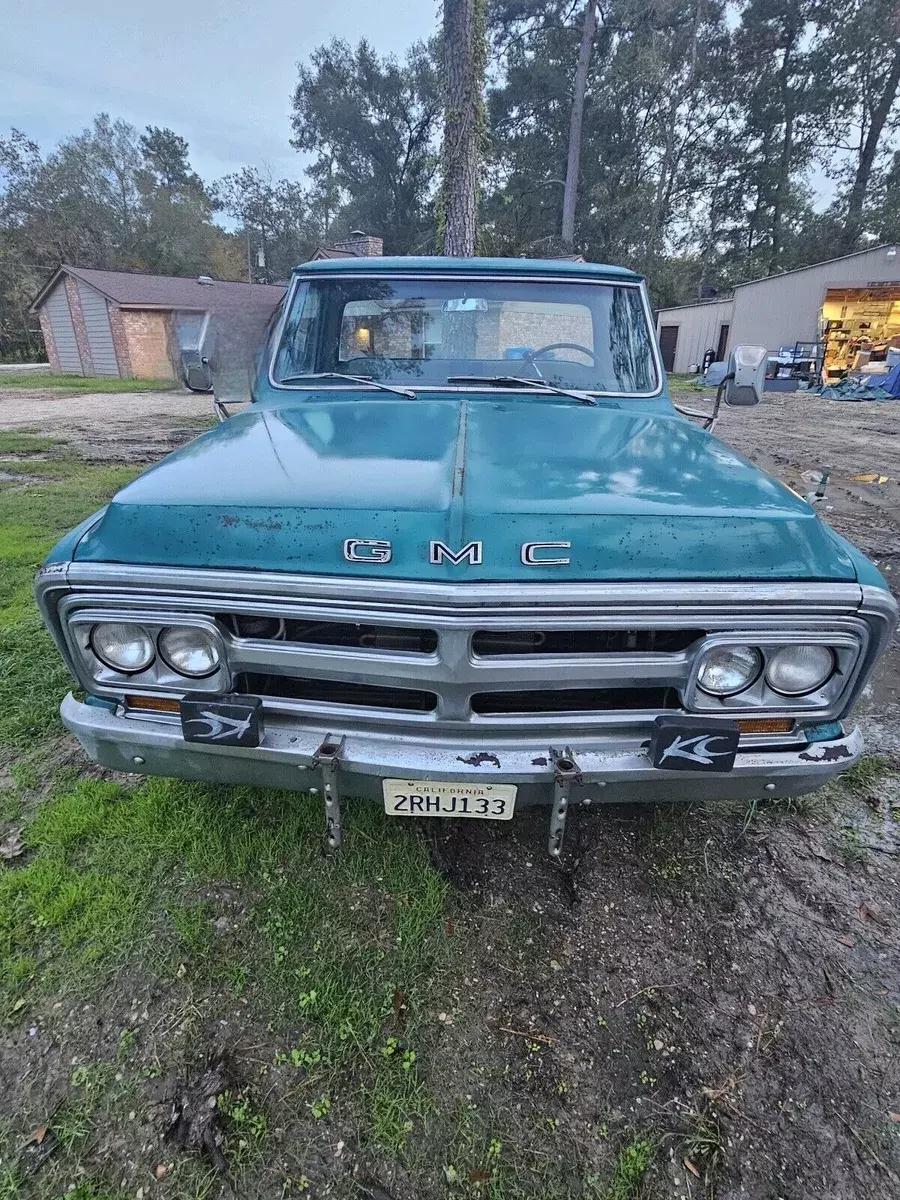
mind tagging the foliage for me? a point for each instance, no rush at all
(104, 198)
(371, 122)
(276, 218)
(631, 1165)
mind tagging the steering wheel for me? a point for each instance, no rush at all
(534, 354)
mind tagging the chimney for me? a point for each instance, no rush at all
(361, 245)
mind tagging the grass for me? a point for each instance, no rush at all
(117, 876)
(74, 384)
(32, 519)
(864, 777)
(24, 442)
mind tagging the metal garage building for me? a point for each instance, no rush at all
(812, 304)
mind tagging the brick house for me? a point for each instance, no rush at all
(357, 245)
(126, 324)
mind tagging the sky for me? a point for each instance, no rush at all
(220, 74)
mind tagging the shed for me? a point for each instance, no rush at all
(127, 324)
(828, 304)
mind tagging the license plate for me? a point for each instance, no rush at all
(426, 798)
(694, 744)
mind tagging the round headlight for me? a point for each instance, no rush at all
(189, 651)
(799, 670)
(727, 670)
(122, 646)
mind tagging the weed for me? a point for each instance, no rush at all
(320, 1108)
(704, 1145)
(631, 1165)
(814, 806)
(247, 1127)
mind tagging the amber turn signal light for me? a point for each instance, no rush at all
(766, 725)
(152, 704)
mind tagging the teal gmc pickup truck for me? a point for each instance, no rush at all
(461, 554)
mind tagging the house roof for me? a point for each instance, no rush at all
(323, 252)
(135, 290)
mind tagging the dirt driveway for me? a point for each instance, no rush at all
(704, 1005)
(108, 427)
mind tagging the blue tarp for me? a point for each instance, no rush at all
(872, 387)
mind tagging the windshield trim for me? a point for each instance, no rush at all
(298, 279)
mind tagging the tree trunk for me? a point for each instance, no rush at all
(784, 163)
(868, 152)
(464, 51)
(576, 123)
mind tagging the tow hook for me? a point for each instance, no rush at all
(328, 758)
(566, 771)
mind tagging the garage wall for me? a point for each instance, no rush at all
(783, 309)
(698, 329)
(99, 334)
(56, 307)
(149, 346)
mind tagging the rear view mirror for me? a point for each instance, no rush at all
(746, 375)
(475, 304)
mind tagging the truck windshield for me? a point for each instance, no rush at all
(593, 337)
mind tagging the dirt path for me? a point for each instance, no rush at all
(125, 427)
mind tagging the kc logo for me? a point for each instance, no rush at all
(696, 749)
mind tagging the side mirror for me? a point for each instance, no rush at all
(746, 376)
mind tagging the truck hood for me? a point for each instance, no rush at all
(639, 495)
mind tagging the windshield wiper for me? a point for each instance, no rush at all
(363, 379)
(517, 381)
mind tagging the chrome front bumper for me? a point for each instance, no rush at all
(610, 770)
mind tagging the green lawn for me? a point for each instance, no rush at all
(84, 383)
(343, 978)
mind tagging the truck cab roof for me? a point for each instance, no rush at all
(434, 264)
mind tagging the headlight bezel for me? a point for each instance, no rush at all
(97, 676)
(759, 696)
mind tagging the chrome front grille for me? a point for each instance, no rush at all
(450, 683)
(513, 658)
